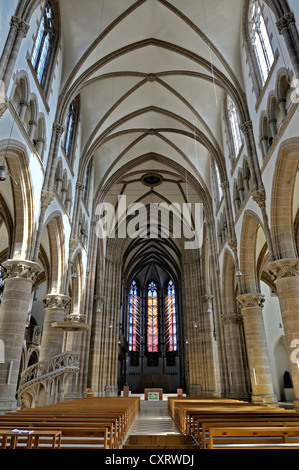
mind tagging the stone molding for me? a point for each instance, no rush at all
(19, 269)
(56, 301)
(284, 268)
(250, 300)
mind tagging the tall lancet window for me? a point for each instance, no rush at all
(44, 45)
(152, 318)
(170, 319)
(70, 127)
(260, 40)
(234, 126)
(134, 322)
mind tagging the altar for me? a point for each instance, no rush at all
(153, 394)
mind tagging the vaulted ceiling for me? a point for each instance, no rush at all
(151, 75)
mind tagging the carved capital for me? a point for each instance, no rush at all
(250, 300)
(246, 127)
(46, 198)
(56, 301)
(73, 243)
(259, 196)
(285, 22)
(58, 129)
(233, 244)
(23, 28)
(232, 318)
(284, 268)
(79, 186)
(207, 298)
(225, 185)
(18, 269)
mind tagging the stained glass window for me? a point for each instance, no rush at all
(134, 325)
(44, 45)
(152, 318)
(70, 127)
(170, 319)
(260, 40)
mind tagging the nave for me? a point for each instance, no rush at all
(175, 423)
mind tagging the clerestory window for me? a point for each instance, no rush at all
(260, 40)
(44, 45)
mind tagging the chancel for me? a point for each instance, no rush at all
(149, 214)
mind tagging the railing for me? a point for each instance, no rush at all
(58, 364)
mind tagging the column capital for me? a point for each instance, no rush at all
(47, 197)
(207, 298)
(283, 268)
(73, 243)
(285, 22)
(259, 196)
(80, 186)
(233, 244)
(56, 301)
(232, 318)
(246, 127)
(250, 300)
(21, 269)
(58, 128)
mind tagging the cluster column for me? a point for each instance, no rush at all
(19, 278)
(285, 274)
(251, 306)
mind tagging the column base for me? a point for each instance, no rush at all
(270, 400)
(296, 404)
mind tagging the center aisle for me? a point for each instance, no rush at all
(154, 418)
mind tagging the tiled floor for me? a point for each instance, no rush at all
(153, 418)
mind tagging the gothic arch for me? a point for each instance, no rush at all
(282, 221)
(21, 185)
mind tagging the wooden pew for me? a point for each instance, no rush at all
(253, 438)
(10, 439)
(204, 437)
(101, 422)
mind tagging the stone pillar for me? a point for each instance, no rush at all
(110, 329)
(285, 274)
(251, 306)
(55, 308)
(236, 365)
(19, 278)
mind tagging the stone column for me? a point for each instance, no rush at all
(285, 274)
(236, 365)
(19, 278)
(110, 329)
(55, 308)
(251, 306)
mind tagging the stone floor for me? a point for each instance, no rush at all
(154, 418)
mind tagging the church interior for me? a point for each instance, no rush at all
(149, 214)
